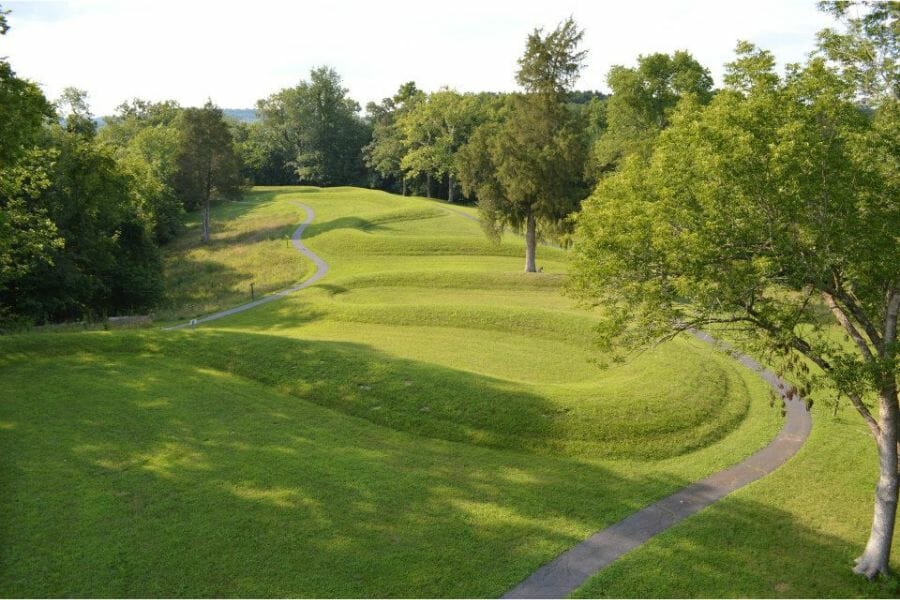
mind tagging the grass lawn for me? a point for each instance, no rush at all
(249, 244)
(425, 421)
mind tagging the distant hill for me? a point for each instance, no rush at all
(247, 115)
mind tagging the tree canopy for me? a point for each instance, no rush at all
(756, 213)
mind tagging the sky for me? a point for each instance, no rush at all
(238, 52)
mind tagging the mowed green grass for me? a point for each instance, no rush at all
(249, 243)
(794, 533)
(425, 421)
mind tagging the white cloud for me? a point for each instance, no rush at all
(236, 53)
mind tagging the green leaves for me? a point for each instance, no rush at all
(746, 211)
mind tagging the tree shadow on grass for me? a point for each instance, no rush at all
(358, 223)
(159, 478)
(198, 287)
(132, 465)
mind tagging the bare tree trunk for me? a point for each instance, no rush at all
(403, 188)
(450, 188)
(530, 244)
(428, 185)
(876, 557)
(204, 235)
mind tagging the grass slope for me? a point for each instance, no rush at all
(426, 421)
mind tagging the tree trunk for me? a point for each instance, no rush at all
(530, 245)
(204, 235)
(876, 557)
(428, 185)
(450, 189)
(403, 187)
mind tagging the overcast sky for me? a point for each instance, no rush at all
(238, 52)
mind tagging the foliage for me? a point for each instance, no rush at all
(760, 211)
(641, 105)
(527, 169)
(313, 130)
(23, 110)
(105, 261)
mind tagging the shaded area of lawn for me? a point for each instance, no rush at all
(135, 474)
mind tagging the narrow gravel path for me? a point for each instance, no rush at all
(566, 573)
(321, 270)
(563, 575)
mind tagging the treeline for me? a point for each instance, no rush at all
(85, 209)
(83, 212)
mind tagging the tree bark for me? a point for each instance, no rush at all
(403, 188)
(530, 244)
(428, 185)
(204, 235)
(450, 188)
(876, 557)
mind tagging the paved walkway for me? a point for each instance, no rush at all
(571, 569)
(321, 270)
(562, 576)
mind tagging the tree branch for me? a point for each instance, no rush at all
(861, 408)
(890, 317)
(848, 326)
(857, 312)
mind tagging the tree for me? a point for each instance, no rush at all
(314, 131)
(527, 170)
(641, 104)
(145, 139)
(388, 146)
(757, 213)
(208, 166)
(433, 132)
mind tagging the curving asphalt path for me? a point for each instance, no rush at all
(567, 572)
(321, 270)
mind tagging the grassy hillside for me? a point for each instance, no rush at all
(425, 421)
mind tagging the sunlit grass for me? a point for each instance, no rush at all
(425, 421)
(249, 244)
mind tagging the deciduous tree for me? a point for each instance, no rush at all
(774, 203)
(641, 104)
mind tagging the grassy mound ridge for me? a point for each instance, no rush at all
(418, 282)
(426, 399)
(127, 468)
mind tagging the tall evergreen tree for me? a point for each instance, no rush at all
(527, 171)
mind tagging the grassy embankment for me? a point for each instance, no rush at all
(426, 421)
